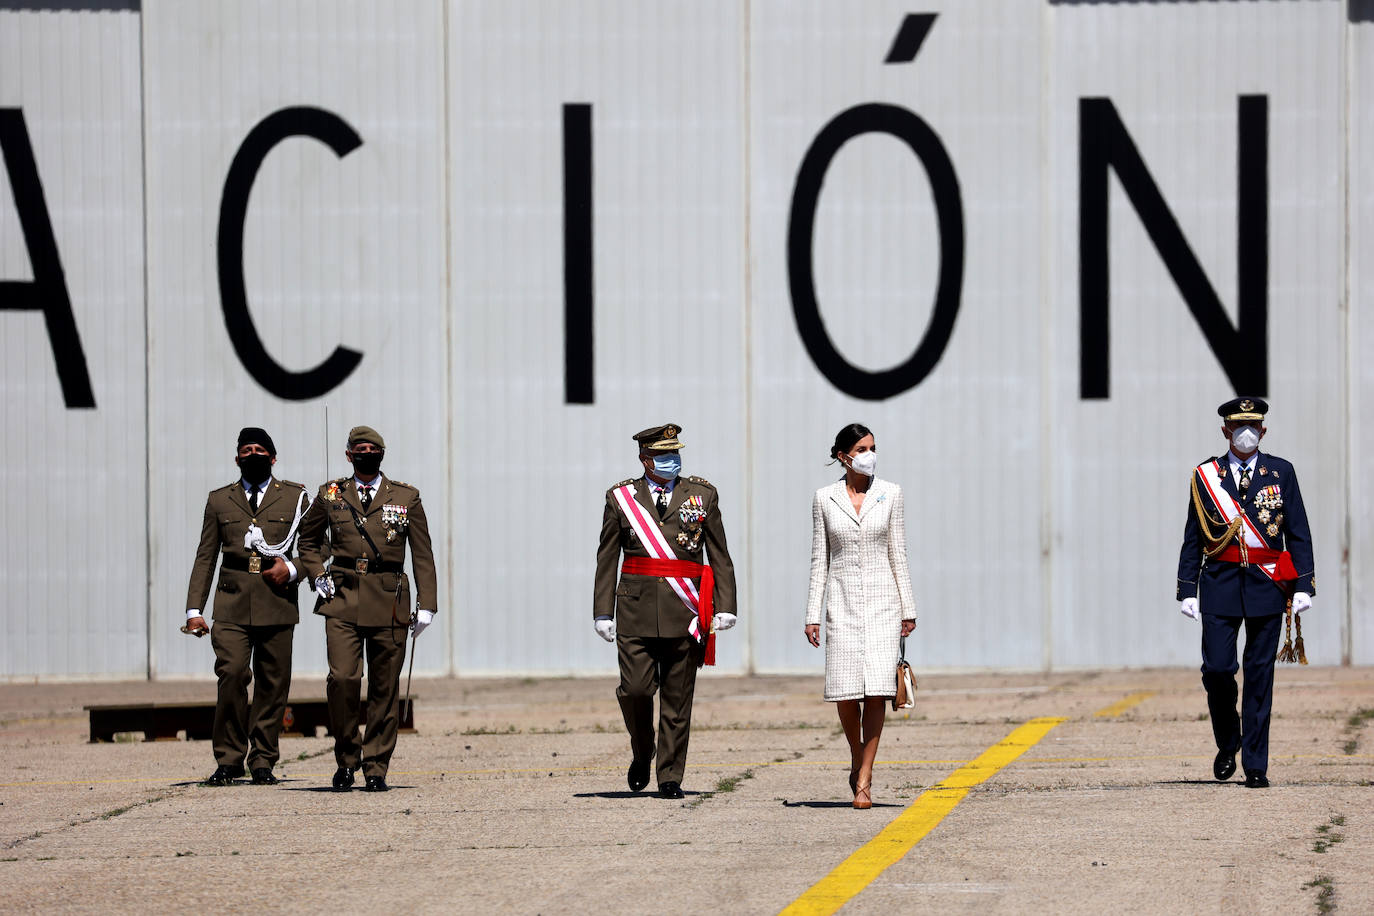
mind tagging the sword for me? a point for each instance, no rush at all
(409, 673)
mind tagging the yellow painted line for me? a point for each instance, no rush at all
(896, 839)
(1124, 704)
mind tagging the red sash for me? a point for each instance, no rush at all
(686, 569)
(1285, 570)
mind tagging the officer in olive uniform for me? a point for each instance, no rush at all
(365, 599)
(651, 623)
(1246, 558)
(255, 608)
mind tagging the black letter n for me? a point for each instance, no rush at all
(1104, 144)
(47, 292)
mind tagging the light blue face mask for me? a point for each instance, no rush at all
(668, 466)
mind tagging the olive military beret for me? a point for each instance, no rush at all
(365, 434)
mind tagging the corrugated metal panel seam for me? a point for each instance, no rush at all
(147, 363)
(1046, 341)
(1347, 357)
(751, 631)
(450, 466)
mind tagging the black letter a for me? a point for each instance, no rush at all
(47, 292)
(1242, 350)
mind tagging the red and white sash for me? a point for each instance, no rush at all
(1209, 475)
(657, 545)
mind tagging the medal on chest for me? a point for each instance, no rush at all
(692, 514)
(1269, 498)
(394, 520)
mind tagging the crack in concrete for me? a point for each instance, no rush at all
(103, 816)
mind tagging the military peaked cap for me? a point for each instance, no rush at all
(660, 438)
(1244, 409)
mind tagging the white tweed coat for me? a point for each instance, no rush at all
(859, 573)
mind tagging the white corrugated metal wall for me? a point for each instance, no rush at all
(337, 252)
(1359, 335)
(75, 535)
(666, 89)
(1043, 526)
(1119, 466)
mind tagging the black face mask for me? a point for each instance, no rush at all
(367, 464)
(255, 468)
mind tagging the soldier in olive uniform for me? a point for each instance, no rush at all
(255, 608)
(667, 604)
(365, 599)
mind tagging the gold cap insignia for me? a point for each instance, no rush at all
(1247, 404)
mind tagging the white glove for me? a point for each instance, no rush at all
(1301, 602)
(421, 620)
(324, 587)
(722, 622)
(1189, 608)
(605, 628)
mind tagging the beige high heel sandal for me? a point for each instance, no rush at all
(862, 795)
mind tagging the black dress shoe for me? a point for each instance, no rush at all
(638, 775)
(1224, 767)
(343, 779)
(262, 776)
(669, 790)
(1256, 780)
(223, 776)
(376, 784)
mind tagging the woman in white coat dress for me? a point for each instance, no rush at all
(859, 574)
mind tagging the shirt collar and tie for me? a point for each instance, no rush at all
(660, 493)
(367, 490)
(1243, 470)
(254, 493)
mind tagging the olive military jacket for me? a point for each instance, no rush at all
(244, 597)
(365, 589)
(647, 605)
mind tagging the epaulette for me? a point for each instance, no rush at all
(702, 480)
(402, 483)
(290, 483)
(624, 483)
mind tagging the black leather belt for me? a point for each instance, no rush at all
(361, 566)
(243, 564)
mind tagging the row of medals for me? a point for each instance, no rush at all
(394, 518)
(692, 513)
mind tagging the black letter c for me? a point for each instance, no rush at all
(334, 132)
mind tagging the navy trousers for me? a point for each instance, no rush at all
(1248, 731)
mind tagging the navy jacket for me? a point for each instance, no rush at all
(1227, 589)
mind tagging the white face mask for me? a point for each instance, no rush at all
(866, 463)
(1245, 439)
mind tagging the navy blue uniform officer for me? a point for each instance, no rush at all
(1247, 553)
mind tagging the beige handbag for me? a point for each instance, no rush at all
(906, 682)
